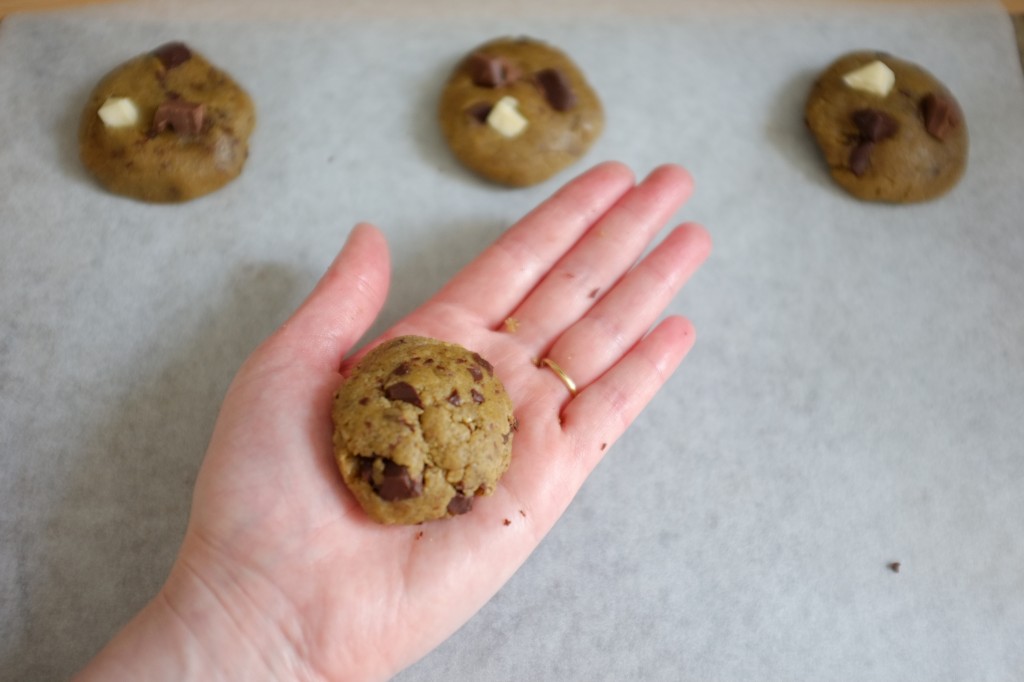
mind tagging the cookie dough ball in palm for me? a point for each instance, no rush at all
(517, 111)
(166, 126)
(421, 428)
(888, 129)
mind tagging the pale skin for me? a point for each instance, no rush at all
(282, 576)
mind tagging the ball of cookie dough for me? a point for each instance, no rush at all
(517, 111)
(166, 126)
(889, 131)
(421, 428)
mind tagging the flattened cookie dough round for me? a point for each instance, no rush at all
(420, 429)
(166, 126)
(887, 128)
(517, 111)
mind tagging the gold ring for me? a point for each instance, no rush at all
(560, 373)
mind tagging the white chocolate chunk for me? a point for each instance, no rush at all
(875, 78)
(119, 112)
(505, 117)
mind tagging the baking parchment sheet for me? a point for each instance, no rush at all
(855, 397)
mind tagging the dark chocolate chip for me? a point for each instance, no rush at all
(478, 397)
(401, 370)
(478, 374)
(483, 363)
(556, 89)
(460, 504)
(860, 158)
(479, 111)
(173, 54)
(454, 398)
(396, 483)
(404, 392)
(939, 115)
(365, 468)
(184, 118)
(875, 125)
(364, 401)
(489, 71)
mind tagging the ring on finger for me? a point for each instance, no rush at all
(560, 373)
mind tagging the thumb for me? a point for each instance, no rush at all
(341, 307)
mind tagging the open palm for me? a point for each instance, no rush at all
(276, 539)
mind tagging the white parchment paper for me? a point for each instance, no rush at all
(856, 395)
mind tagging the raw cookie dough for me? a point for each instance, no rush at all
(517, 111)
(907, 145)
(421, 428)
(166, 126)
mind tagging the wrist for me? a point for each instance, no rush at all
(206, 623)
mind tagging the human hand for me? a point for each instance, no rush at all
(282, 575)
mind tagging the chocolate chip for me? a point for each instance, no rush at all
(939, 115)
(365, 468)
(364, 401)
(483, 363)
(478, 397)
(460, 504)
(860, 157)
(173, 54)
(396, 483)
(556, 89)
(479, 111)
(875, 125)
(404, 392)
(454, 398)
(478, 374)
(401, 370)
(490, 71)
(184, 118)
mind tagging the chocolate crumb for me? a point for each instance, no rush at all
(604, 446)
(556, 89)
(522, 513)
(894, 567)
(419, 535)
(404, 392)
(506, 522)
(594, 292)
(173, 54)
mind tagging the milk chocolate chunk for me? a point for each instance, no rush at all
(875, 125)
(939, 115)
(460, 504)
(403, 392)
(173, 54)
(397, 484)
(556, 89)
(860, 157)
(490, 71)
(184, 118)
